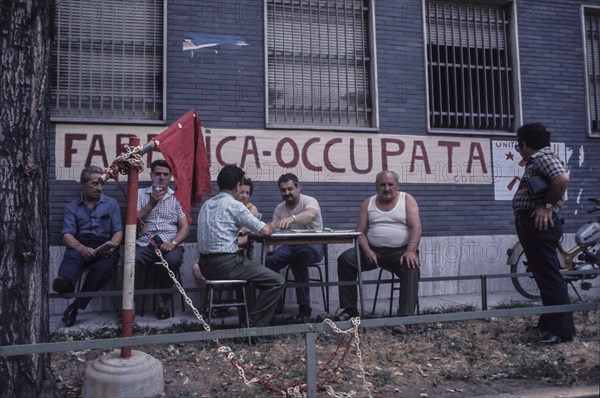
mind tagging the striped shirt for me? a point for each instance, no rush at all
(543, 163)
(164, 218)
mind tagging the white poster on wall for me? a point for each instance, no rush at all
(509, 167)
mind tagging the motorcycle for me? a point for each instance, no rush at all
(584, 256)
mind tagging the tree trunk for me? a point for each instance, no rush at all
(25, 46)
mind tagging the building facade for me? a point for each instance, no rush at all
(335, 91)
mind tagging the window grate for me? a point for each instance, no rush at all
(469, 69)
(107, 61)
(318, 63)
(592, 34)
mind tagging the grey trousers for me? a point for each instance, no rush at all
(389, 259)
(268, 282)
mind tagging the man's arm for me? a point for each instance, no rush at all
(155, 197)
(413, 221)
(362, 226)
(306, 216)
(556, 190)
(71, 242)
(182, 233)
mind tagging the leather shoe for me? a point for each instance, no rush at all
(399, 329)
(62, 285)
(346, 315)
(163, 313)
(304, 312)
(70, 315)
(551, 339)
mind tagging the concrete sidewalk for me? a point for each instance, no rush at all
(92, 320)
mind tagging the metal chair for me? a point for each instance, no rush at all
(324, 288)
(150, 275)
(215, 287)
(393, 288)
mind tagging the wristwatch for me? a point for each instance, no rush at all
(294, 217)
(549, 206)
(173, 242)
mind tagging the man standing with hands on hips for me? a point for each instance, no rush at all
(539, 230)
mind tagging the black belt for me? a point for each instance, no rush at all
(211, 255)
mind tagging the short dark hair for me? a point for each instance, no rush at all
(534, 134)
(160, 163)
(288, 177)
(88, 171)
(229, 177)
(248, 181)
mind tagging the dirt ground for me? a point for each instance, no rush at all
(452, 359)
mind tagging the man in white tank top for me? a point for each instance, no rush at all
(391, 232)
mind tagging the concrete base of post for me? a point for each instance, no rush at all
(110, 375)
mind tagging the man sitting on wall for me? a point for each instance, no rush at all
(92, 230)
(391, 232)
(166, 224)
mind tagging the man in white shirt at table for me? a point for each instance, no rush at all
(219, 222)
(391, 231)
(297, 211)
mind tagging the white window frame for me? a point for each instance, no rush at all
(107, 75)
(594, 58)
(513, 85)
(307, 107)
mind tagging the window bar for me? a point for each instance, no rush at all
(447, 65)
(471, 114)
(492, 69)
(283, 59)
(58, 52)
(302, 55)
(507, 87)
(347, 70)
(337, 61)
(499, 31)
(112, 68)
(293, 55)
(355, 60)
(476, 89)
(322, 115)
(144, 83)
(101, 88)
(430, 65)
(271, 43)
(312, 71)
(454, 67)
(485, 69)
(364, 42)
(462, 66)
(123, 65)
(80, 54)
(329, 63)
(439, 67)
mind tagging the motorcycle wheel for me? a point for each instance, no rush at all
(525, 285)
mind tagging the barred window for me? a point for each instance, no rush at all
(107, 60)
(319, 64)
(592, 55)
(469, 67)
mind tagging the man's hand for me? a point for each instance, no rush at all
(167, 246)
(87, 253)
(410, 259)
(371, 258)
(542, 218)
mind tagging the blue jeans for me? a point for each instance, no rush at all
(298, 257)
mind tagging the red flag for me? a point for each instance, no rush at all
(182, 146)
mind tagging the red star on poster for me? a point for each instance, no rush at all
(510, 156)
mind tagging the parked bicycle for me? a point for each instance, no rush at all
(584, 256)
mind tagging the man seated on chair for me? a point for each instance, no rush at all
(297, 211)
(219, 222)
(164, 222)
(89, 222)
(391, 232)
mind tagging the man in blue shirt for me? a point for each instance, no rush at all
(90, 221)
(219, 222)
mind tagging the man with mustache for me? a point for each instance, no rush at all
(391, 232)
(297, 211)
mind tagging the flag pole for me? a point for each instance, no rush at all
(129, 252)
